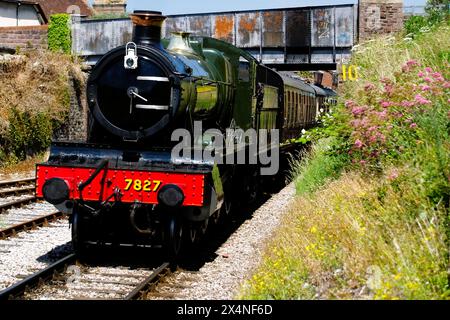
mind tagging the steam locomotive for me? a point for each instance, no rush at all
(124, 186)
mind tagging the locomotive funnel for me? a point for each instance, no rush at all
(147, 27)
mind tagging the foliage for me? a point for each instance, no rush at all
(34, 101)
(347, 242)
(372, 216)
(59, 33)
(109, 16)
(437, 11)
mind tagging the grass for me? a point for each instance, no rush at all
(371, 216)
(343, 242)
(34, 101)
(28, 165)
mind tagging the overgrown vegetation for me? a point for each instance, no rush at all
(109, 16)
(372, 216)
(34, 101)
(59, 33)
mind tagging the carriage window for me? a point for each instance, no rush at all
(270, 97)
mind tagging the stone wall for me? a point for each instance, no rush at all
(379, 17)
(75, 129)
(110, 6)
(24, 37)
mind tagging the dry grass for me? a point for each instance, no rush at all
(23, 167)
(356, 239)
(36, 83)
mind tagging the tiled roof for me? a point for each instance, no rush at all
(61, 6)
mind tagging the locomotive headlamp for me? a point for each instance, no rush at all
(171, 196)
(131, 57)
(55, 191)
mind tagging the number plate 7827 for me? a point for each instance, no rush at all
(142, 185)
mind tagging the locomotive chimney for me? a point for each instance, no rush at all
(147, 27)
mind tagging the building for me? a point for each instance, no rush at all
(50, 7)
(37, 12)
(21, 13)
(110, 6)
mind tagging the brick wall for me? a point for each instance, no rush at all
(379, 17)
(24, 37)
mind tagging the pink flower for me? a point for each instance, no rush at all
(393, 175)
(412, 63)
(413, 125)
(421, 100)
(374, 128)
(428, 79)
(420, 74)
(363, 162)
(358, 144)
(436, 75)
(424, 87)
(349, 104)
(358, 111)
(428, 69)
(381, 115)
(407, 104)
(369, 87)
(446, 85)
(385, 104)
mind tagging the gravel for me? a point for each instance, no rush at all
(236, 259)
(32, 211)
(31, 251)
(91, 283)
(17, 175)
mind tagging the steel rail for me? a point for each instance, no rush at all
(17, 203)
(5, 184)
(31, 224)
(18, 289)
(17, 191)
(149, 283)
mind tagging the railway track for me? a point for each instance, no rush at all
(21, 191)
(67, 279)
(30, 224)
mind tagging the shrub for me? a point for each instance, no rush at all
(59, 33)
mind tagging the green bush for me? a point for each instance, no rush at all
(59, 34)
(28, 134)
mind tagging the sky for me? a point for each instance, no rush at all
(196, 6)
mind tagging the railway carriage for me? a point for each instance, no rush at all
(124, 186)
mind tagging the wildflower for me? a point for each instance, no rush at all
(363, 162)
(428, 69)
(303, 131)
(428, 79)
(313, 230)
(386, 104)
(425, 87)
(420, 74)
(421, 100)
(393, 175)
(358, 144)
(412, 63)
(406, 103)
(371, 129)
(446, 85)
(413, 125)
(381, 115)
(358, 110)
(436, 75)
(321, 110)
(349, 104)
(369, 87)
